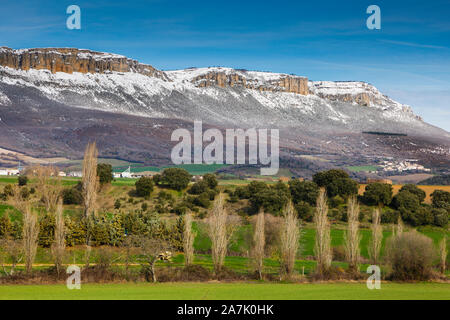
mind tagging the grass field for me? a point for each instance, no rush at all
(230, 291)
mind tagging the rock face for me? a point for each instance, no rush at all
(222, 79)
(71, 60)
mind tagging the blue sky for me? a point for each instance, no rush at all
(408, 59)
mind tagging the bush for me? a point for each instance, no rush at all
(8, 190)
(410, 256)
(144, 187)
(199, 187)
(72, 196)
(24, 193)
(22, 181)
(406, 200)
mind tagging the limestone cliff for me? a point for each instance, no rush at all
(71, 60)
(223, 79)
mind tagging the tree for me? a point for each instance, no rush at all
(211, 180)
(89, 181)
(144, 187)
(199, 187)
(322, 247)
(289, 244)
(152, 250)
(105, 173)
(259, 242)
(440, 199)
(377, 194)
(272, 199)
(377, 237)
(336, 182)
(175, 178)
(306, 191)
(352, 237)
(59, 244)
(12, 252)
(30, 237)
(406, 200)
(412, 188)
(220, 229)
(443, 254)
(188, 240)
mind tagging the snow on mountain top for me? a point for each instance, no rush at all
(341, 87)
(190, 74)
(81, 53)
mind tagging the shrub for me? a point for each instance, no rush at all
(117, 204)
(144, 187)
(8, 190)
(72, 196)
(410, 255)
(199, 187)
(22, 181)
(406, 200)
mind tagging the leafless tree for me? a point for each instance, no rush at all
(59, 245)
(188, 239)
(89, 180)
(377, 237)
(30, 237)
(352, 237)
(220, 229)
(49, 184)
(11, 250)
(443, 254)
(322, 247)
(289, 244)
(152, 250)
(259, 243)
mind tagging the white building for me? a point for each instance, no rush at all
(9, 172)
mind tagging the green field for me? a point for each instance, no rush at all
(362, 168)
(230, 291)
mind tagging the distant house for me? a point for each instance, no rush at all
(124, 174)
(62, 174)
(77, 174)
(9, 172)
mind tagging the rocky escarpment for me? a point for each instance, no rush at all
(71, 60)
(223, 79)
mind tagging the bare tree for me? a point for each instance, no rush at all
(48, 183)
(89, 180)
(259, 242)
(89, 183)
(400, 226)
(220, 229)
(30, 237)
(59, 245)
(11, 250)
(322, 247)
(188, 239)
(289, 244)
(443, 254)
(352, 237)
(152, 250)
(377, 237)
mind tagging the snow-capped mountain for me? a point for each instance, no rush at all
(34, 80)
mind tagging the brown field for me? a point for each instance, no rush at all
(428, 190)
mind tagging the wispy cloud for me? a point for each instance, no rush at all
(412, 44)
